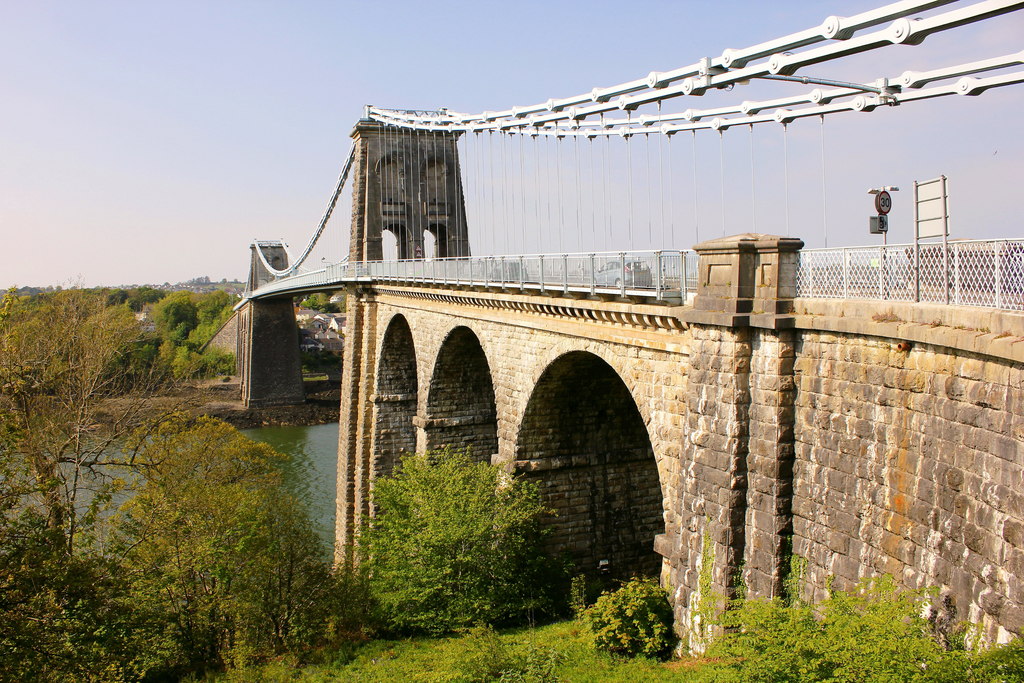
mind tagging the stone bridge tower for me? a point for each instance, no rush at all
(269, 365)
(408, 183)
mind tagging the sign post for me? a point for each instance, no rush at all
(931, 219)
(879, 225)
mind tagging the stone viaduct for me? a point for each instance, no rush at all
(713, 442)
(742, 437)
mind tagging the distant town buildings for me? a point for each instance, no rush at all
(320, 331)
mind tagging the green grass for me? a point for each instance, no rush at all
(455, 659)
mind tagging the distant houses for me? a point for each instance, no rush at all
(320, 331)
(146, 323)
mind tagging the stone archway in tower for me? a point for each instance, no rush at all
(584, 442)
(394, 403)
(439, 238)
(460, 409)
(395, 242)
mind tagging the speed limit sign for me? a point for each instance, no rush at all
(883, 202)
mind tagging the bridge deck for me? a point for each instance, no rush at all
(659, 275)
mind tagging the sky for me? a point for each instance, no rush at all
(150, 142)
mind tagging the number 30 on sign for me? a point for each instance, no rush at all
(883, 202)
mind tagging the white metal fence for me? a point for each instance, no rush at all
(662, 275)
(965, 273)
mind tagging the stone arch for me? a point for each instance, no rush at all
(391, 172)
(460, 408)
(584, 441)
(429, 245)
(394, 403)
(401, 241)
(435, 175)
(439, 232)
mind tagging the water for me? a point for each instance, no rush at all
(314, 451)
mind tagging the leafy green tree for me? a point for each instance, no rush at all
(63, 611)
(185, 322)
(56, 388)
(175, 317)
(211, 307)
(220, 552)
(63, 617)
(140, 297)
(212, 310)
(116, 297)
(455, 543)
(320, 302)
(213, 560)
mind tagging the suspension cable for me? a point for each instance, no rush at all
(696, 212)
(629, 187)
(294, 264)
(753, 195)
(824, 203)
(661, 180)
(579, 203)
(650, 199)
(785, 156)
(522, 190)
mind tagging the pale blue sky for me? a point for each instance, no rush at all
(151, 141)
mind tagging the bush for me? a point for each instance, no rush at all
(872, 633)
(489, 658)
(635, 620)
(455, 544)
(319, 361)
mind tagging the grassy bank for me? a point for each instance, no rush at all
(560, 651)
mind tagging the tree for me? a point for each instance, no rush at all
(63, 613)
(57, 385)
(455, 543)
(185, 323)
(320, 302)
(87, 595)
(219, 551)
(175, 317)
(214, 307)
(140, 297)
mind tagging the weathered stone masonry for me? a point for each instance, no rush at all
(453, 344)
(267, 340)
(910, 463)
(764, 425)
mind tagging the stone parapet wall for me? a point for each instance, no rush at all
(911, 463)
(226, 338)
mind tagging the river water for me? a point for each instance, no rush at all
(314, 452)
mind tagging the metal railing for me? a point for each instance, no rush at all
(986, 273)
(662, 275)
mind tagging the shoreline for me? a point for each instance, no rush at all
(220, 399)
(322, 406)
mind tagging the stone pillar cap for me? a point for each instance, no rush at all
(750, 241)
(365, 126)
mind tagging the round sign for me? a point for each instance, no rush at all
(883, 202)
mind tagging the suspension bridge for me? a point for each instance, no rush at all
(516, 287)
